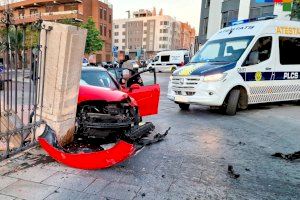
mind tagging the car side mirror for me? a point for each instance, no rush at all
(135, 87)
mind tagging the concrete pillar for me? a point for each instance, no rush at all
(65, 49)
(244, 10)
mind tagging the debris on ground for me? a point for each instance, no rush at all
(247, 169)
(232, 173)
(289, 157)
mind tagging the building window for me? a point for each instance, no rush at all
(110, 19)
(105, 14)
(165, 23)
(207, 3)
(101, 13)
(123, 40)
(124, 33)
(116, 26)
(228, 17)
(109, 33)
(21, 13)
(205, 26)
(104, 30)
(116, 33)
(101, 29)
(116, 41)
(33, 11)
(164, 30)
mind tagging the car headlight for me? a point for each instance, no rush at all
(215, 77)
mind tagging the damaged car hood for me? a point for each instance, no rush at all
(92, 93)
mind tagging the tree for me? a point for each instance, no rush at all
(295, 15)
(93, 40)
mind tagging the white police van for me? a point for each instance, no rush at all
(247, 63)
(169, 61)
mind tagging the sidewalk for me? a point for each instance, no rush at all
(35, 176)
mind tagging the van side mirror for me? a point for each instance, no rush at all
(253, 58)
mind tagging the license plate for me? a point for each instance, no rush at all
(181, 99)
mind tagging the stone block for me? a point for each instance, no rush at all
(63, 64)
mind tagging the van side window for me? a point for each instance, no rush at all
(260, 52)
(289, 49)
(165, 58)
(156, 59)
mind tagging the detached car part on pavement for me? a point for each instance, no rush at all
(111, 114)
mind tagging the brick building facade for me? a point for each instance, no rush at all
(26, 11)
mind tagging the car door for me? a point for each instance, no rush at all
(259, 70)
(146, 94)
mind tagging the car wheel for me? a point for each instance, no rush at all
(184, 106)
(232, 103)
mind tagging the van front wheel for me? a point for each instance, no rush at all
(232, 103)
(184, 106)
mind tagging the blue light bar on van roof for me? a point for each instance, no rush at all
(244, 21)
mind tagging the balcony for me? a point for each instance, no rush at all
(72, 14)
(29, 3)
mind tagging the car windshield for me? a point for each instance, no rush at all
(224, 50)
(98, 78)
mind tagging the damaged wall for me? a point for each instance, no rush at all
(65, 48)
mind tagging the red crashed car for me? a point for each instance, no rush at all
(109, 113)
(107, 107)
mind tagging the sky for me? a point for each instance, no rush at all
(182, 10)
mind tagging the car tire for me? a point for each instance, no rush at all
(232, 102)
(184, 106)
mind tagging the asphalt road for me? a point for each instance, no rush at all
(191, 164)
(202, 143)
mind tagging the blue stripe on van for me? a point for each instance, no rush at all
(269, 76)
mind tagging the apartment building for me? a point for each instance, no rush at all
(187, 36)
(26, 11)
(216, 14)
(150, 32)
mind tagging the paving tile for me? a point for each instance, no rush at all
(120, 191)
(69, 181)
(158, 181)
(97, 186)
(28, 190)
(64, 194)
(4, 197)
(55, 166)
(6, 181)
(34, 174)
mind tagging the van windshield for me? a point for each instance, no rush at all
(224, 50)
